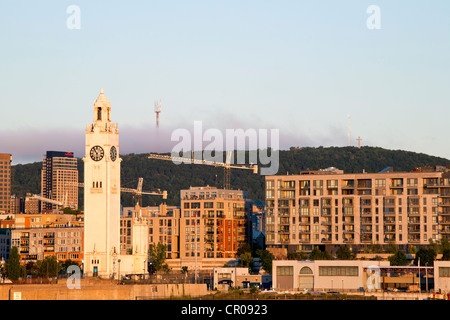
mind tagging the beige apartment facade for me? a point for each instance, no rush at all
(36, 243)
(162, 226)
(328, 208)
(204, 233)
(213, 222)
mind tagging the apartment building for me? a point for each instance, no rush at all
(214, 222)
(59, 177)
(204, 233)
(5, 243)
(16, 205)
(328, 208)
(5, 182)
(57, 219)
(32, 205)
(162, 224)
(36, 243)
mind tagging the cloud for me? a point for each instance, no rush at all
(30, 144)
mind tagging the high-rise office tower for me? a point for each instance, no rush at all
(5, 182)
(59, 180)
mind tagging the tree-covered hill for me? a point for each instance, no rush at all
(165, 175)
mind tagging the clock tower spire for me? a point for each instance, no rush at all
(101, 192)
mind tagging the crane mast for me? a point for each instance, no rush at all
(227, 166)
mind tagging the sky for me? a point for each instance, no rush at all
(303, 67)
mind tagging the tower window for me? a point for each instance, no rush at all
(99, 114)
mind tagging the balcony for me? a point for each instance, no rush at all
(364, 184)
(366, 203)
(414, 239)
(348, 184)
(366, 238)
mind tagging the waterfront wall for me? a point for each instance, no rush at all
(99, 290)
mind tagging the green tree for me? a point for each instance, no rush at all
(266, 258)
(398, 259)
(445, 249)
(317, 254)
(13, 267)
(246, 260)
(297, 255)
(157, 255)
(434, 245)
(243, 248)
(49, 267)
(392, 248)
(344, 253)
(66, 264)
(375, 248)
(426, 256)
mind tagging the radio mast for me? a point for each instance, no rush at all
(157, 111)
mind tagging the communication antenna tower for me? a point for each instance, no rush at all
(157, 111)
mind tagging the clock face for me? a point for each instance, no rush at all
(97, 153)
(113, 153)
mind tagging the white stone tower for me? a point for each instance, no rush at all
(101, 193)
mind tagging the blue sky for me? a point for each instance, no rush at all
(299, 66)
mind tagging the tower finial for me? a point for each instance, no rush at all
(101, 91)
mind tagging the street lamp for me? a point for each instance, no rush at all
(118, 276)
(144, 269)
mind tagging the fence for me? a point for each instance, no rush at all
(167, 278)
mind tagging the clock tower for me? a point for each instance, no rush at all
(101, 193)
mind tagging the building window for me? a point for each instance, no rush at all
(285, 271)
(444, 271)
(306, 270)
(338, 271)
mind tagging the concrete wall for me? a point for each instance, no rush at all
(91, 289)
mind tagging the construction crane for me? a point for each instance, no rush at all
(138, 191)
(62, 203)
(227, 166)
